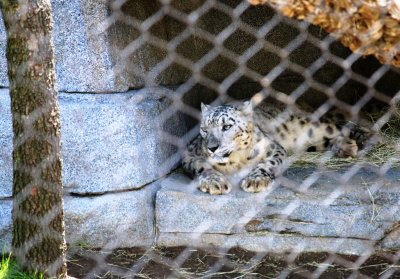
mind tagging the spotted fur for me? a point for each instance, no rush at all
(239, 144)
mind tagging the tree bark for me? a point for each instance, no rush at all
(38, 216)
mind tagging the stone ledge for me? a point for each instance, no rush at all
(274, 243)
(110, 220)
(350, 215)
(117, 220)
(279, 221)
(110, 142)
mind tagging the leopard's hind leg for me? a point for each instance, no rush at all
(353, 140)
(344, 147)
(344, 139)
(364, 137)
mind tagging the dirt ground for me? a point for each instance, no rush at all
(183, 262)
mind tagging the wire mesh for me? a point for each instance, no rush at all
(323, 217)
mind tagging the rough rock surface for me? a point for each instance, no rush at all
(114, 142)
(268, 242)
(109, 142)
(110, 220)
(83, 61)
(5, 224)
(349, 216)
(5, 144)
(359, 211)
(3, 60)
(92, 59)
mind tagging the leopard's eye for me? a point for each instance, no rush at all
(226, 127)
(203, 130)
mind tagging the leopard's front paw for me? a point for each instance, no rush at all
(214, 183)
(256, 183)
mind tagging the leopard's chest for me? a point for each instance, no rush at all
(241, 162)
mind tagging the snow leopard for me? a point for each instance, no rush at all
(247, 145)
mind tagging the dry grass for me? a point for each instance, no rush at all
(186, 262)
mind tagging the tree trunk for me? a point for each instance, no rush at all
(38, 216)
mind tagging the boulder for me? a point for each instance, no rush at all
(104, 221)
(331, 209)
(118, 141)
(109, 142)
(111, 220)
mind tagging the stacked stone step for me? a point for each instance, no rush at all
(116, 150)
(113, 150)
(348, 217)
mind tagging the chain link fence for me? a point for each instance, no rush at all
(324, 217)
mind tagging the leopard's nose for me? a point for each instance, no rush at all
(212, 143)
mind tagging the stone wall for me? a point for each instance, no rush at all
(360, 218)
(115, 148)
(118, 147)
(91, 60)
(172, 212)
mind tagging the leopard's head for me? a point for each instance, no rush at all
(226, 129)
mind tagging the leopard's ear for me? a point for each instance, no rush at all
(204, 108)
(247, 108)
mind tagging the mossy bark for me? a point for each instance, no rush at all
(38, 226)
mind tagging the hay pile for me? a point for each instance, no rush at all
(369, 27)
